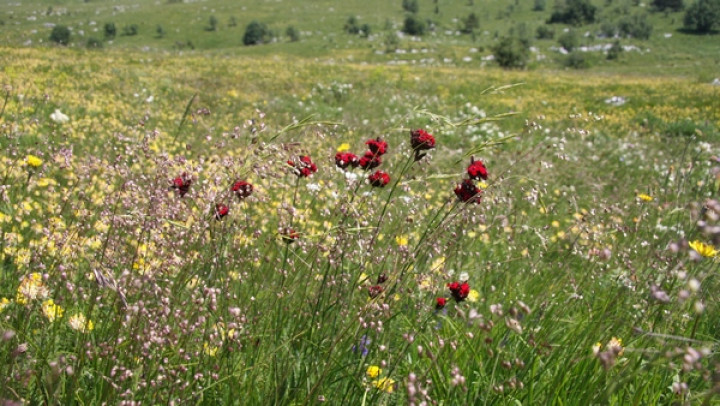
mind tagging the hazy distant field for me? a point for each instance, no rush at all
(138, 267)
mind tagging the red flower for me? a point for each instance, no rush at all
(459, 291)
(375, 291)
(382, 278)
(181, 184)
(345, 159)
(369, 161)
(242, 189)
(468, 192)
(377, 146)
(289, 235)
(221, 211)
(440, 302)
(421, 139)
(477, 169)
(304, 167)
(379, 179)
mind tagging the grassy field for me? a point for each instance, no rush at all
(133, 273)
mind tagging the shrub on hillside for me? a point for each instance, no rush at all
(569, 40)
(110, 30)
(577, 60)
(413, 26)
(411, 6)
(130, 30)
(511, 52)
(614, 52)
(703, 16)
(544, 32)
(664, 5)
(635, 26)
(351, 25)
(257, 33)
(292, 33)
(60, 35)
(573, 12)
(93, 43)
(470, 23)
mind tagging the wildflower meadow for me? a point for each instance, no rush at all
(180, 229)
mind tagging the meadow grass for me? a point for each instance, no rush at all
(124, 282)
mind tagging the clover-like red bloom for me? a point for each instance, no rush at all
(375, 290)
(221, 211)
(382, 278)
(304, 167)
(377, 146)
(289, 235)
(459, 291)
(181, 184)
(476, 170)
(369, 161)
(421, 140)
(468, 192)
(242, 189)
(379, 179)
(440, 302)
(345, 159)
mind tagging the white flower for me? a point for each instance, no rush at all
(313, 187)
(58, 117)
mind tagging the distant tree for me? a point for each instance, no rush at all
(539, 5)
(411, 6)
(573, 12)
(614, 52)
(703, 16)
(544, 32)
(130, 30)
(511, 52)
(470, 23)
(292, 33)
(671, 5)
(635, 26)
(351, 25)
(212, 24)
(110, 30)
(569, 40)
(256, 33)
(60, 34)
(413, 26)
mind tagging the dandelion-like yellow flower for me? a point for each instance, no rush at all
(51, 310)
(385, 384)
(4, 302)
(373, 371)
(210, 350)
(79, 322)
(343, 147)
(706, 250)
(644, 197)
(401, 240)
(33, 161)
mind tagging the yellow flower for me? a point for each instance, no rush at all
(33, 161)
(385, 384)
(51, 310)
(31, 288)
(79, 322)
(373, 371)
(4, 302)
(616, 345)
(644, 197)
(210, 350)
(703, 249)
(473, 296)
(343, 147)
(401, 240)
(596, 348)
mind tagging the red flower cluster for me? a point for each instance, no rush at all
(421, 140)
(467, 191)
(440, 302)
(459, 291)
(369, 161)
(379, 179)
(375, 290)
(221, 211)
(304, 167)
(377, 146)
(477, 169)
(242, 189)
(181, 184)
(345, 159)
